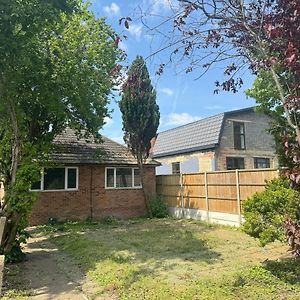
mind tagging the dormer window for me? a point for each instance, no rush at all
(239, 136)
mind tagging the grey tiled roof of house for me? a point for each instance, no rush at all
(71, 150)
(199, 135)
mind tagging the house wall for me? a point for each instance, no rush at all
(259, 143)
(189, 163)
(92, 200)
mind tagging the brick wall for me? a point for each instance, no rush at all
(259, 143)
(92, 200)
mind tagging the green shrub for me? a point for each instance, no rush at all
(265, 212)
(158, 207)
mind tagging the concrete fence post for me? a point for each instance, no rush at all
(206, 196)
(238, 196)
(181, 195)
(2, 227)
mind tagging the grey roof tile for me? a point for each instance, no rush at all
(73, 150)
(202, 134)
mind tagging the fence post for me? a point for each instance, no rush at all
(238, 195)
(181, 195)
(2, 227)
(206, 196)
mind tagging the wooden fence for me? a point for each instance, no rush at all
(211, 193)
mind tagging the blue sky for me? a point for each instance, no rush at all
(181, 98)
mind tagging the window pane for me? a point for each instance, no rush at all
(261, 162)
(110, 177)
(54, 179)
(234, 163)
(36, 185)
(176, 168)
(239, 136)
(137, 177)
(124, 177)
(72, 178)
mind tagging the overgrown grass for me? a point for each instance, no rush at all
(15, 285)
(176, 259)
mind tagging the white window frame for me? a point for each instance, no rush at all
(42, 187)
(115, 179)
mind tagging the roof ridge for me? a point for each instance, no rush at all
(194, 122)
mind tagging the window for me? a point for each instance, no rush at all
(239, 136)
(261, 162)
(234, 163)
(55, 179)
(176, 168)
(119, 178)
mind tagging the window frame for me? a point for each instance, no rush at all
(115, 179)
(177, 163)
(42, 185)
(241, 136)
(265, 158)
(235, 157)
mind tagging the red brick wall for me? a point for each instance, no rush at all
(92, 200)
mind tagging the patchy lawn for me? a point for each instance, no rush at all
(176, 259)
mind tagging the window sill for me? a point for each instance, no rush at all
(124, 188)
(50, 191)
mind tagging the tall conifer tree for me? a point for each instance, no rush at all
(140, 114)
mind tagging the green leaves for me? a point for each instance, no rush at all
(57, 69)
(266, 211)
(140, 113)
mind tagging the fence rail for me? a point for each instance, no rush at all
(212, 193)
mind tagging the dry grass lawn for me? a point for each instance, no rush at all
(176, 259)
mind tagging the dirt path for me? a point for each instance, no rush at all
(51, 275)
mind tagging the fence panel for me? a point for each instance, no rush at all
(212, 193)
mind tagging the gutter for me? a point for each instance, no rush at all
(183, 151)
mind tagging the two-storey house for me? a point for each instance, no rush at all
(231, 140)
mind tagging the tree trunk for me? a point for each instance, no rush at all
(13, 217)
(146, 196)
(294, 126)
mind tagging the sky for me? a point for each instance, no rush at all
(181, 97)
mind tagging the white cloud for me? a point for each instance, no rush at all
(162, 5)
(175, 119)
(123, 46)
(135, 30)
(108, 122)
(113, 9)
(213, 107)
(166, 91)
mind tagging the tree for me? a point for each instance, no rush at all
(140, 115)
(258, 36)
(266, 95)
(58, 65)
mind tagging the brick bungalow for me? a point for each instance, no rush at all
(91, 180)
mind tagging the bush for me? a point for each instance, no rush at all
(266, 211)
(158, 207)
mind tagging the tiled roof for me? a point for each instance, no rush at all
(199, 135)
(202, 134)
(71, 150)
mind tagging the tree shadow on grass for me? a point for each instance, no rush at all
(286, 269)
(122, 255)
(159, 246)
